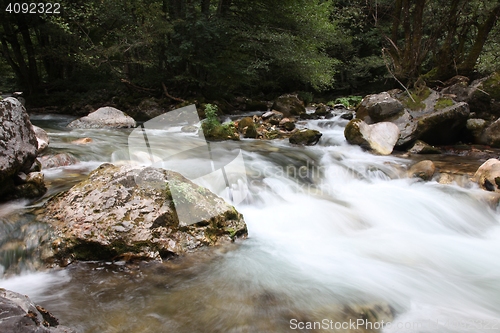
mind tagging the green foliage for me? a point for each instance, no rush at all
(306, 97)
(492, 85)
(214, 130)
(349, 101)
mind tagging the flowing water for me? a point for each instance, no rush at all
(329, 225)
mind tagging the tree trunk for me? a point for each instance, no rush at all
(468, 65)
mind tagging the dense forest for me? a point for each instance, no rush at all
(176, 50)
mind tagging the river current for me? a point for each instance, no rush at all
(329, 225)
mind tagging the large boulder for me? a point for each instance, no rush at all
(378, 107)
(483, 95)
(427, 115)
(289, 105)
(133, 212)
(18, 314)
(443, 126)
(105, 117)
(488, 175)
(18, 142)
(379, 137)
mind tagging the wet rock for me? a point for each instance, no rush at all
(420, 147)
(58, 160)
(82, 141)
(18, 314)
(347, 116)
(488, 175)
(18, 142)
(423, 169)
(245, 122)
(287, 124)
(247, 127)
(273, 117)
(379, 137)
(305, 137)
(42, 138)
(378, 107)
(105, 117)
(321, 110)
(133, 212)
(289, 105)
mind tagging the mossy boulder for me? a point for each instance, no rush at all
(289, 105)
(305, 137)
(245, 122)
(220, 132)
(247, 127)
(426, 115)
(137, 212)
(321, 110)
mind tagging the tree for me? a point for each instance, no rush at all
(438, 38)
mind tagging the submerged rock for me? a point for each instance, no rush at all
(423, 169)
(133, 212)
(18, 314)
(58, 160)
(105, 117)
(82, 141)
(379, 137)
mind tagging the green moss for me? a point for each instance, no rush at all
(417, 103)
(214, 130)
(443, 103)
(492, 86)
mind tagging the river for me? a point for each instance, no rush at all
(329, 225)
